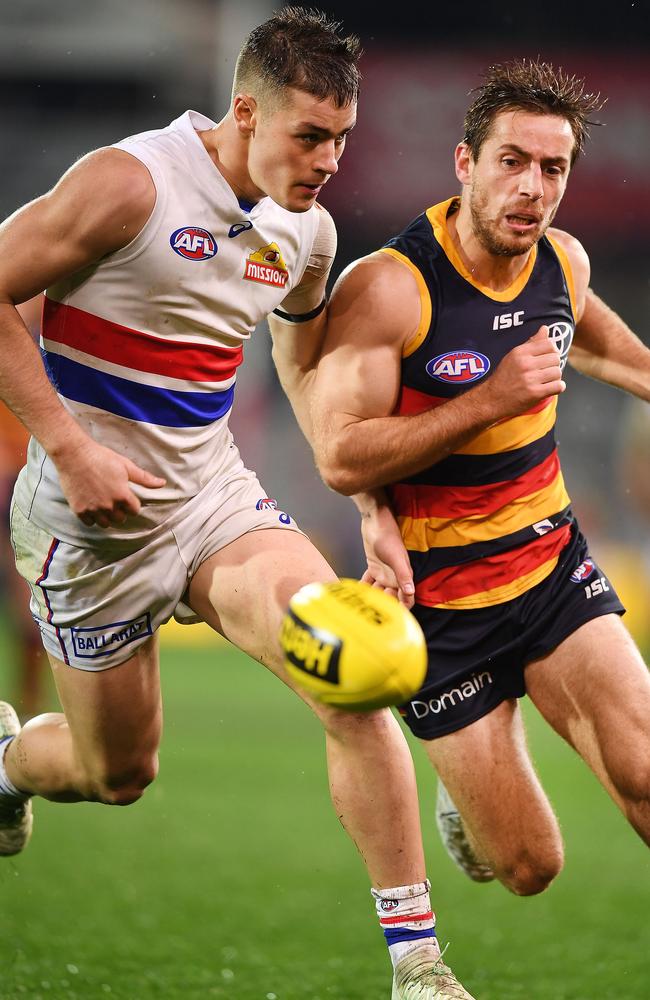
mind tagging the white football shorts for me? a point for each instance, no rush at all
(95, 605)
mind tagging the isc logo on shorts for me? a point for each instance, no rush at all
(583, 572)
(458, 366)
(193, 243)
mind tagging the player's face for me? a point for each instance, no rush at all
(518, 180)
(295, 149)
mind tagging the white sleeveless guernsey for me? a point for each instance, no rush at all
(143, 346)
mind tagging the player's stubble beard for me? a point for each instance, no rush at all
(484, 228)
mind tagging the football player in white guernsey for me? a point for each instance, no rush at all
(159, 256)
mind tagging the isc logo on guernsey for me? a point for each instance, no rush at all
(458, 366)
(193, 243)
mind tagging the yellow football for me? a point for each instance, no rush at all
(353, 646)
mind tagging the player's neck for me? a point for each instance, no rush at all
(229, 153)
(492, 270)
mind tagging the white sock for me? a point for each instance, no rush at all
(7, 787)
(406, 918)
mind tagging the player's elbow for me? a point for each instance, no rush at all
(339, 475)
(340, 481)
(341, 467)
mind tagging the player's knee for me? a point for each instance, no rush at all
(529, 875)
(123, 785)
(345, 725)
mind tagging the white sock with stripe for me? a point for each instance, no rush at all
(406, 918)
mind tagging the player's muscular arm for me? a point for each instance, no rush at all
(358, 443)
(99, 206)
(605, 348)
(297, 333)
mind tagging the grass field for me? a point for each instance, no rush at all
(232, 878)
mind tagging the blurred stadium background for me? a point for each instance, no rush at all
(76, 75)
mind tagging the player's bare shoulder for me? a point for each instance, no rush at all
(112, 191)
(97, 207)
(377, 294)
(579, 263)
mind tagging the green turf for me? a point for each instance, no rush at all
(232, 878)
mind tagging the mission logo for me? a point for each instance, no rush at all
(267, 266)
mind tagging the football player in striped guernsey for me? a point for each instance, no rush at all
(159, 256)
(440, 376)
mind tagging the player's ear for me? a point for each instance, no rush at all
(244, 111)
(463, 162)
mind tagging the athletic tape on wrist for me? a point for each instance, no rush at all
(301, 317)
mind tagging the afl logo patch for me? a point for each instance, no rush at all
(458, 366)
(193, 243)
(266, 503)
(583, 572)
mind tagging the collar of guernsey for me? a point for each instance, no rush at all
(490, 521)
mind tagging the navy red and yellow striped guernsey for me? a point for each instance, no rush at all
(489, 522)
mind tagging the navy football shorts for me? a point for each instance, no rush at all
(477, 657)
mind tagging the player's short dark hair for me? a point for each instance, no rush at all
(534, 86)
(301, 48)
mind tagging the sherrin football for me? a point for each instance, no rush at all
(353, 646)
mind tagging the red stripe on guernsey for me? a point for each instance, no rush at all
(537, 408)
(494, 571)
(406, 919)
(411, 401)
(143, 352)
(452, 502)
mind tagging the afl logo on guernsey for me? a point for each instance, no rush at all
(583, 572)
(193, 243)
(458, 366)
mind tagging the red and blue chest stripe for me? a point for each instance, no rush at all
(136, 399)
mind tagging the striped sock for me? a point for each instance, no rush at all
(7, 787)
(406, 918)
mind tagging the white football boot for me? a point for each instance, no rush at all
(452, 833)
(422, 975)
(15, 815)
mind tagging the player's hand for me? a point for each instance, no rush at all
(96, 483)
(388, 562)
(527, 375)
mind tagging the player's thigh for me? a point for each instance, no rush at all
(594, 689)
(243, 590)
(114, 715)
(486, 768)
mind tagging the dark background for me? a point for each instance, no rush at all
(75, 75)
